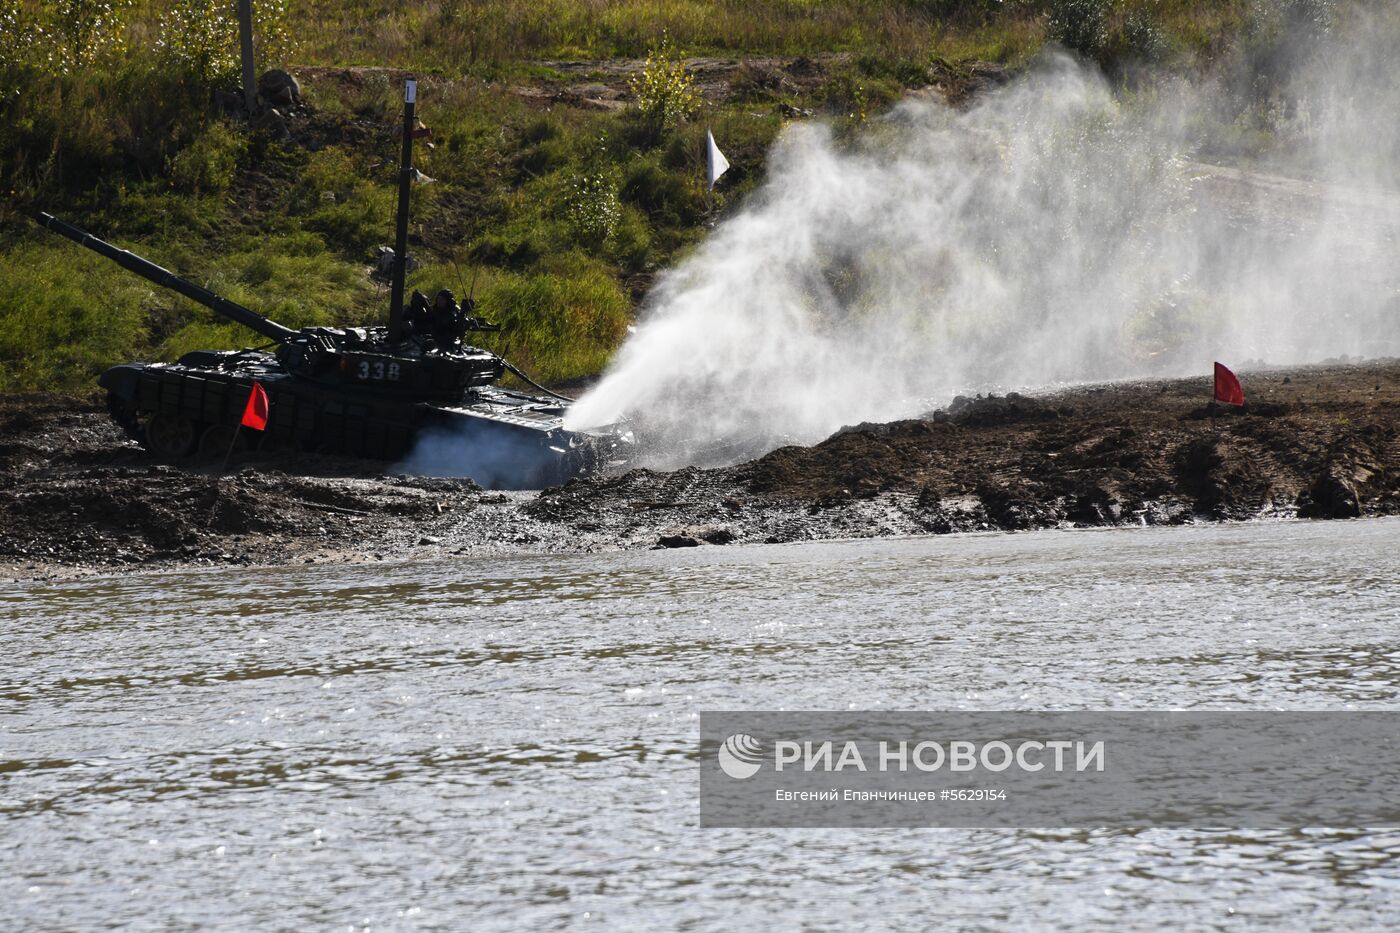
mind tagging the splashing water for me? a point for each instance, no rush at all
(1051, 233)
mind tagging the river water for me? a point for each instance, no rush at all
(511, 743)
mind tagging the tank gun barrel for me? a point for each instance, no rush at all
(167, 279)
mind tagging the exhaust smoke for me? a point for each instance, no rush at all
(1051, 233)
(486, 453)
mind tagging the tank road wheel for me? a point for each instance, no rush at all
(214, 442)
(170, 436)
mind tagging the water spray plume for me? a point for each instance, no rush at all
(1051, 233)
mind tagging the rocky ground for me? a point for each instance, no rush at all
(76, 496)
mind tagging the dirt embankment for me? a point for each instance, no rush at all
(1316, 442)
(605, 84)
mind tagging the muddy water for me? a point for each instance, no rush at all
(511, 743)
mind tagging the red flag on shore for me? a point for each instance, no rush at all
(255, 412)
(1227, 387)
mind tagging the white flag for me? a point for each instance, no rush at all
(714, 159)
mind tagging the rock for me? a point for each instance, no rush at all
(715, 535)
(1332, 495)
(278, 88)
(229, 103)
(993, 410)
(272, 122)
(1013, 506)
(670, 541)
(383, 268)
(429, 539)
(1094, 506)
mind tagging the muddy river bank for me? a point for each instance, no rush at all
(76, 496)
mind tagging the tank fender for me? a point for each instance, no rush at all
(121, 381)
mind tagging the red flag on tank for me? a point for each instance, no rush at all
(1227, 386)
(255, 412)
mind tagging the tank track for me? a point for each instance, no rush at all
(125, 417)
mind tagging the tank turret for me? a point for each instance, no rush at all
(419, 365)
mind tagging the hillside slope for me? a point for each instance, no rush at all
(568, 163)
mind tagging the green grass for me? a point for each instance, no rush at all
(454, 35)
(127, 144)
(64, 317)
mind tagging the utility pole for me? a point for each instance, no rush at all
(410, 97)
(245, 41)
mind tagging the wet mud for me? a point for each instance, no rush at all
(1318, 442)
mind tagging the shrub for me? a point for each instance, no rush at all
(1304, 19)
(58, 40)
(558, 325)
(1282, 34)
(65, 37)
(331, 171)
(846, 94)
(84, 32)
(1144, 37)
(903, 71)
(630, 247)
(16, 37)
(207, 164)
(963, 9)
(665, 90)
(538, 130)
(663, 195)
(201, 37)
(544, 157)
(357, 223)
(511, 249)
(194, 36)
(591, 207)
(1081, 25)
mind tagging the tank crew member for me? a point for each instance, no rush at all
(418, 317)
(448, 321)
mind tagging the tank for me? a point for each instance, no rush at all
(375, 392)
